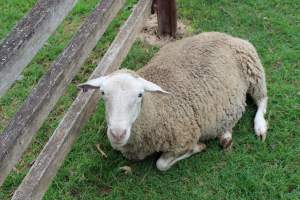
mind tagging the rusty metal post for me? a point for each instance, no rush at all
(166, 16)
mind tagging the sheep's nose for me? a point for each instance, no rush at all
(118, 134)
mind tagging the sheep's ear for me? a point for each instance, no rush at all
(92, 84)
(152, 87)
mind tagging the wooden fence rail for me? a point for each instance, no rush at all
(22, 44)
(27, 121)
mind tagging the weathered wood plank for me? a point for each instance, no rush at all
(21, 129)
(50, 159)
(25, 40)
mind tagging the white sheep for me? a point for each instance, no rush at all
(207, 78)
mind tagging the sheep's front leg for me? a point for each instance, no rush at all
(168, 159)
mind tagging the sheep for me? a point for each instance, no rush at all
(205, 78)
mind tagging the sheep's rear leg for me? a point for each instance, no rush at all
(167, 159)
(258, 91)
(226, 140)
(260, 123)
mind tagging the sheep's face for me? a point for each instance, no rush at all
(122, 93)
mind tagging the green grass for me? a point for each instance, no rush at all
(252, 170)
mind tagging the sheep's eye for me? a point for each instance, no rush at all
(140, 95)
(102, 93)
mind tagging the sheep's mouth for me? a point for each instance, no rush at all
(119, 143)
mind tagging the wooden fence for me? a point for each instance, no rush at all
(33, 31)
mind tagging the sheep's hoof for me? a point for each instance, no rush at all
(261, 128)
(261, 137)
(226, 140)
(165, 161)
(226, 143)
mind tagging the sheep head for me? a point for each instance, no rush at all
(122, 92)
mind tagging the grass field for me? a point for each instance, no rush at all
(252, 170)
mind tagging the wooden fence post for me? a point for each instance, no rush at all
(166, 16)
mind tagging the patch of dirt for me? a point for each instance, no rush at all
(149, 33)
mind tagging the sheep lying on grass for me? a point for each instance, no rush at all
(205, 80)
